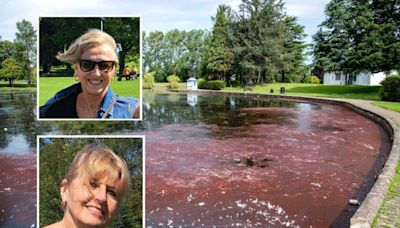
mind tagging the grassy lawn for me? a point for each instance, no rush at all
(388, 207)
(394, 106)
(316, 90)
(17, 85)
(51, 85)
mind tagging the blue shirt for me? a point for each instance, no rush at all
(63, 105)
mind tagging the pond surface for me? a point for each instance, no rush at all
(216, 160)
(17, 160)
(243, 161)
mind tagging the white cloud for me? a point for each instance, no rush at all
(156, 14)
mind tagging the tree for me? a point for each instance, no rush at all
(26, 37)
(125, 32)
(358, 36)
(260, 39)
(11, 70)
(293, 67)
(219, 52)
(153, 56)
(6, 49)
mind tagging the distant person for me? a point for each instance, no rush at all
(93, 188)
(95, 60)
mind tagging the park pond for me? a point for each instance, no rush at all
(218, 160)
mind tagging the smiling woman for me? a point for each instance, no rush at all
(93, 188)
(95, 60)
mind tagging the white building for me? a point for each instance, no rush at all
(367, 78)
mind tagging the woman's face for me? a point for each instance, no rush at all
(95, 82)
(96, 211)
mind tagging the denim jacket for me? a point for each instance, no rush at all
(113, 106)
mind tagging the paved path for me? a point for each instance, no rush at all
(391, 206)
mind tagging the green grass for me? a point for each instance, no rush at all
(17, 85)
(394, 106)
(317, 90)
(388, 208)
(51, 85)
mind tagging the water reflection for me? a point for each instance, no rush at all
(17, 128)
(17, 145)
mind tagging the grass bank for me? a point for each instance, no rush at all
(316, 90)
(51, 85)
(388, 214)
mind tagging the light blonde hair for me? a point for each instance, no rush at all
(95, 162)
(90, 39)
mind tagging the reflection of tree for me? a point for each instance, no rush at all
(56, 154)
(18, 117)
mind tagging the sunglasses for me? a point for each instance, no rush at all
(89, 65)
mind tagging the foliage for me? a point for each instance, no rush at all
(312, 79)
(173, 81)
(148, 80)
(175, 52)
(26, 39)
(218, 50)
(214, 84)
(11, 70)
(200, 83)
(390, 90)
(49, 86)
(55, 156)
(358, 36)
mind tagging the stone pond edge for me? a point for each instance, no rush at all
(368, 209)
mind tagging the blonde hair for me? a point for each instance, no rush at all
(90, 39)
(95, 162)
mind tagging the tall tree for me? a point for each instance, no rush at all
(153, 54)
(125, 32)
(260, 39)
(26, 36)
(219, 52)
(358, 36)
(293, 67)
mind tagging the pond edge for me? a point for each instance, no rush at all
(369, 207)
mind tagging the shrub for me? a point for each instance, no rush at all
(148, 81)
(201, 83)
(214, 85)
(390, 90)
(312, 80)
(173, 81)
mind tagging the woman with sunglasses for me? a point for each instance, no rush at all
(95, 60)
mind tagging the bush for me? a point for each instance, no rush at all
(214, 85)
(390, 90)
(312, 80)
(148, 81)
(173, 81)
(201, 83)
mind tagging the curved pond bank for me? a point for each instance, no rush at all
(286, 164)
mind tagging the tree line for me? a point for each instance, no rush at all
(260, 43)
(18, 58)
(358, 36)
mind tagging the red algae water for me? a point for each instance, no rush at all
(261, 164)
(17, 160)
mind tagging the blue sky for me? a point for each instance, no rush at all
(156, 14)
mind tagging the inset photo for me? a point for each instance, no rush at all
(94, 181)
(89, 68)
